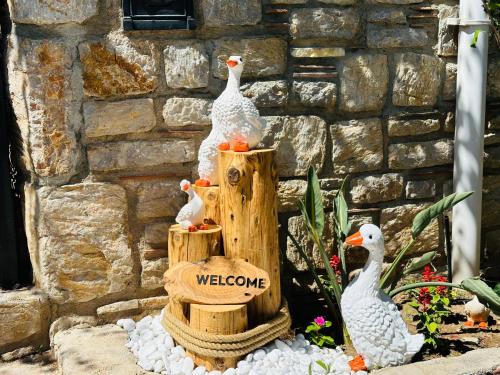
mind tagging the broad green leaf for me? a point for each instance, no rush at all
(497, 289)
(328, 324)
(418, 263)
(484, 293)
(313, 202)
(341, 213)
(424, 217)
(322, 364)
(310, 368)
(329, 340)
(474, 38)
(432, 327)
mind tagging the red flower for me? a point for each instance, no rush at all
(335, 264)
(427, 274)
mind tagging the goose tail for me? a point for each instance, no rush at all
(414, 344)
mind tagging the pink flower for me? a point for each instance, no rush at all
(319, 320)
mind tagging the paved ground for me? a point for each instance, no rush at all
(40, 364)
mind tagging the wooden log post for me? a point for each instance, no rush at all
(190, 247)
(210, 197)
(217, 319)
(249, 219)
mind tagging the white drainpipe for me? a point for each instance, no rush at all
(469, 137)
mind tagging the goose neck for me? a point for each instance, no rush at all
(369, 276)
(233, 81)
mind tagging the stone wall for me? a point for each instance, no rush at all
(112, 120)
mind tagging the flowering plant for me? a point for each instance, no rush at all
(432, 304)
(315, 334)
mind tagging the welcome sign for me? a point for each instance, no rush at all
(216, 281)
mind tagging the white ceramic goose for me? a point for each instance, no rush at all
(476, 313)
(375, 326)
(236, 125)
(192, 213)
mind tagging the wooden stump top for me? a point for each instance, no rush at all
(211, 229)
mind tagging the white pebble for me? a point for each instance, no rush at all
(159, 366)
(127, 324)
(199, 371)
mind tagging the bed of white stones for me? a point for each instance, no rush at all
(156, 351)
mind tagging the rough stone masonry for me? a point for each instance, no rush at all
(112, 120)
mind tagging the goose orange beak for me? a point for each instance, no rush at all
(355, 239)
(231, 63)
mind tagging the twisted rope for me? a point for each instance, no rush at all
(235, 345)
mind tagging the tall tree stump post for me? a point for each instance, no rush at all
(190, 247)
(249, 219)
(210, 197)
(220, 320)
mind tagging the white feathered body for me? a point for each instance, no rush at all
(192, 213)
(235, 119)
(476, 311)
(374, 323)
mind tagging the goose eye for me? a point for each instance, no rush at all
(370, 236)
(241, 60)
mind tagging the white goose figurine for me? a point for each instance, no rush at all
(236, 125)
(191, 215)
(375, 326)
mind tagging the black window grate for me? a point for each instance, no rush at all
(158, 15)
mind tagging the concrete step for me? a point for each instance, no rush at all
(95, 351)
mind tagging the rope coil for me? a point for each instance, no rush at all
(235, 345)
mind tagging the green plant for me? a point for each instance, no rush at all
(316, 336)
(432, 304)
(321, 364)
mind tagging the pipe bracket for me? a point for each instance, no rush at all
(465, 22)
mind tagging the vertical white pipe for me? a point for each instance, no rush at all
(469, 138)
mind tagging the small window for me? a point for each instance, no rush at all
(158, 14)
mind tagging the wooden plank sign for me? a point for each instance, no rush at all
(216, 281)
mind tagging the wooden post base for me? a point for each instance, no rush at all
(249, 219)
(217, 319)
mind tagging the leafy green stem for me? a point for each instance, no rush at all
(422, 285)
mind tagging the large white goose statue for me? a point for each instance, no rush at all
(373, 321)
(236, 125)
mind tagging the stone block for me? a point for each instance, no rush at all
(493, 85)
(126, 155)
(83, 242)
(339, 2)
(332, 24)
(152, 273)
(357, 146)
(491, 202)
(118, 67)
(447, 44)
(159, 198)
(186, 65)
(494, 123)
(297, 228)
(263, 57)
(420, 154)
(181, 112)
(400, 127)
(296, 150)
(217, 13)
(363, 83)
(267, 93)
(396, 223)
(153, 303)
(449, 122)
(289, 194)
(396, 2)
(387, 16)
(69, 321)
(122, 117)
(156, 234)
(25, 316)
(50, 12)
(420, 189)
(375, 189)
(492, 248)
(47, 107)
(118, 310)
(315, 94)
(492, 156)
(395, 37)
(450, 82)
(417, 80)
(317, 52)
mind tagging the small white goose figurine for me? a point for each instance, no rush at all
(476, 313)
(375, 326)
(191, 215)
(236, 125)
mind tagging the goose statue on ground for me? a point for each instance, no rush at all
(192, 214)
(373, 320)
(476, 313)
(236, 125)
